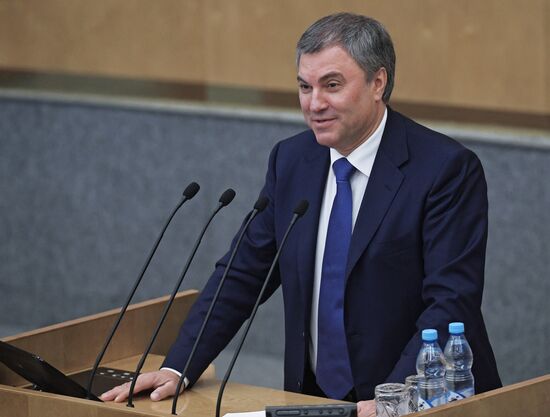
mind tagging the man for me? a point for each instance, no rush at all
(394, 240)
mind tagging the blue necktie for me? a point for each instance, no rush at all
(333, 371)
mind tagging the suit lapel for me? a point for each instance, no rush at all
(384, 182)
(314, 172)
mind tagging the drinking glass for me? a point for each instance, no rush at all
(411, 386)
(391, 400)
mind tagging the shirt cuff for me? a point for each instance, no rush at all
(185, 380)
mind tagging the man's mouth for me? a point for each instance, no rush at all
(322, 122)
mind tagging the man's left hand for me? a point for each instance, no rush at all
(366, 409)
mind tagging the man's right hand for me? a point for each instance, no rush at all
(163, 383)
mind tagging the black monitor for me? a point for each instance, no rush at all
(46, 378)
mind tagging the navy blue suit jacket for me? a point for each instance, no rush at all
(416, 259)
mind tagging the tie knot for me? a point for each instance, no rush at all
(342, 169)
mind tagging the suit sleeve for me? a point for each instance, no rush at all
(238, 295)
(454, 233)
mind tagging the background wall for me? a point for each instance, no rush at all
(85, 184)
(487, 55)
(86, 188)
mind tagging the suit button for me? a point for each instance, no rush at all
(299, 385)
(303, 335)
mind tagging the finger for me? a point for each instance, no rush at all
(121, 393)
(145, 381)
(165, 387)
(115, 392)
(166, 390)
(111, 394)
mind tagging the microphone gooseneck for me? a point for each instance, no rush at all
(224, 200)
(299, 211)
(188, 194)
(259, 206)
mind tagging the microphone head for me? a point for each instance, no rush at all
(190, 191)
(261, 203)
(227, 197)
(301, 208)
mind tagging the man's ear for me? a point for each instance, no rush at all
(379, 82)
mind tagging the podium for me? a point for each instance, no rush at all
(72, 347)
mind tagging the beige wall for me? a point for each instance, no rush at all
(488, 54)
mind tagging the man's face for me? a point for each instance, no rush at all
(338, 103)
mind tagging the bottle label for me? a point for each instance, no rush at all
(458, 395)
(424, 404)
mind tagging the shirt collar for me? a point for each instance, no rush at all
(362, 158)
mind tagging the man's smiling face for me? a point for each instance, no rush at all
(338, 103)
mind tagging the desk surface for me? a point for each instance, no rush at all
(201, 399)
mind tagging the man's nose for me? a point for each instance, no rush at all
(318, 101)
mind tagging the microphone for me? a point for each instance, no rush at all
(299, 211)
(259, 206)
(188, 194)
(224, 200)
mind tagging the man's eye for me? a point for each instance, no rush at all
(304, 87)
(333, 85)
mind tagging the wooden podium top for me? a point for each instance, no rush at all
(200, 401)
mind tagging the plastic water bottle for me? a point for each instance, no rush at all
(430, 366)
(459, 379)
(430, 362)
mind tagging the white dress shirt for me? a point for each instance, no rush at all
(362, 159)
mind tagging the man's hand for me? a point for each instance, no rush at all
(366, 409)
(163, 383)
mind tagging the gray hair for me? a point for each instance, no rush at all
(364, 38)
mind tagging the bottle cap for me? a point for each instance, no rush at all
(456, 328)
(429, 335)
